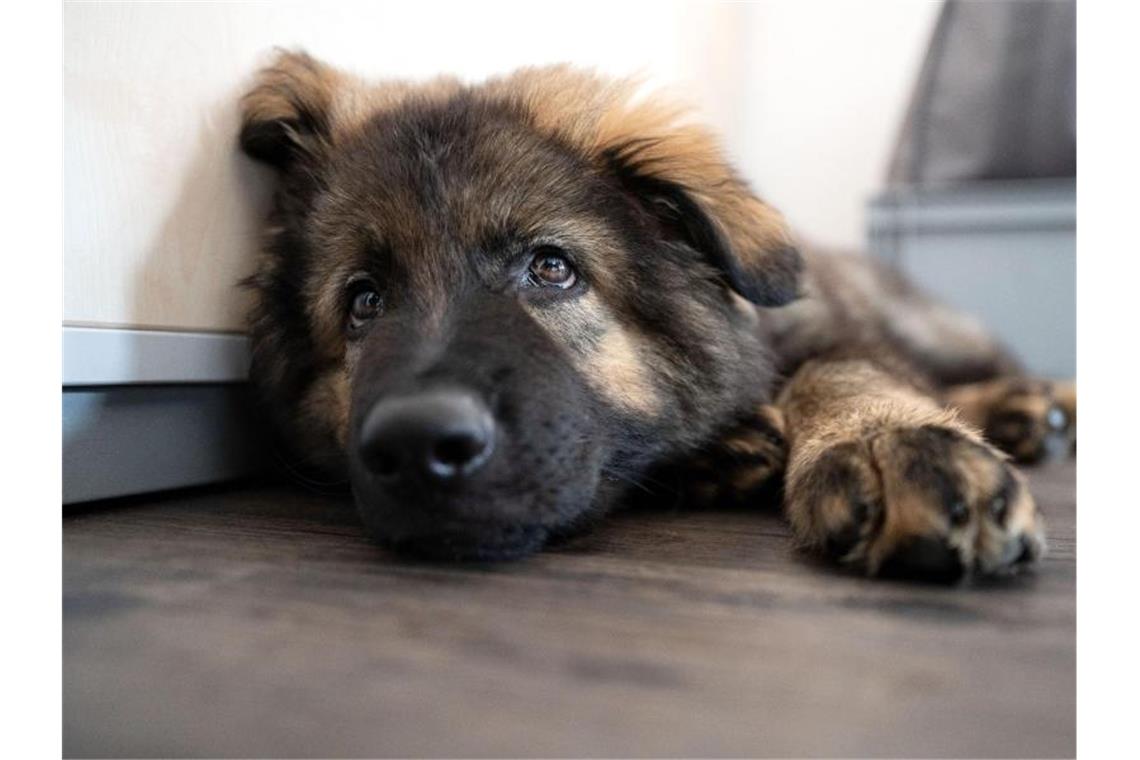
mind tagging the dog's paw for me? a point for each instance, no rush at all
(1031, 420)
(932, 503)
(744, 466)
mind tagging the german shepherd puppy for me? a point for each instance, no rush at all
(498, 308)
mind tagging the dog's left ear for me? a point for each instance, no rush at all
(696, 197)
(674, 167)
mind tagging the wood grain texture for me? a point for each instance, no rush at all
(259, 621)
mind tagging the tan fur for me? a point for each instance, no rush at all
(1020, 414)
(613, 364)
(854, 403)
(327, 400)
(597, 114)
(626, 375)
(294, 79)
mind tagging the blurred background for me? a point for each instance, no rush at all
(937, 135)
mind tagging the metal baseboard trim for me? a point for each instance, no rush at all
(128, 440)
(116, 356)
(153, 410)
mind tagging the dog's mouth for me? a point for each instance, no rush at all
(473, 543)
(437, 474)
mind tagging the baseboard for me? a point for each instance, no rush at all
(137, 439)
(148, 411)
(114, 356)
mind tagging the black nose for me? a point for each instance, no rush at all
(438, 435)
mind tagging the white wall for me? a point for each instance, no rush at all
(829, 82)
(161, 211)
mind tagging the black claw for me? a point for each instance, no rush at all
(1056, 419)
(1027, 554)
(958, 511)
(843, 541)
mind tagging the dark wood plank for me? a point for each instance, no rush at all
(259, 621)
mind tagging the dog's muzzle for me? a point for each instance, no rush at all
(422, 465)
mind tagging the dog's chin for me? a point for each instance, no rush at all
(465, 526)
(485, 543)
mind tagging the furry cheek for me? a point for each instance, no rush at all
(609, 357)
(327, 402)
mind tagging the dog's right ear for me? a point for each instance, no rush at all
(287, 116)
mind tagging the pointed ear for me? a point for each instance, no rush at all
(286, 117)
(719, 217)
(674, 167)
(679, 173)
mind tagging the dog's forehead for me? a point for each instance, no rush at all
(467, 169)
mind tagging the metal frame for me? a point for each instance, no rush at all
(153, 410)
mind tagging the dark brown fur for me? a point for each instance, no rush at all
(702, 340)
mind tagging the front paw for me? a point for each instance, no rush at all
(1033, 420)
(744, 466)
(930, 502)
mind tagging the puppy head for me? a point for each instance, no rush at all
(498, 305)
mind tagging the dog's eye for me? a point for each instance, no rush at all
(365, 303)
(549, 267)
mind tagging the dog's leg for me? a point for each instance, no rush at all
(883, 477)
(744, 467)
(1031, 420)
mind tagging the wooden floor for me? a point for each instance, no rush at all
(258, 621)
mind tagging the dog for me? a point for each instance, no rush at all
(499, 310)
